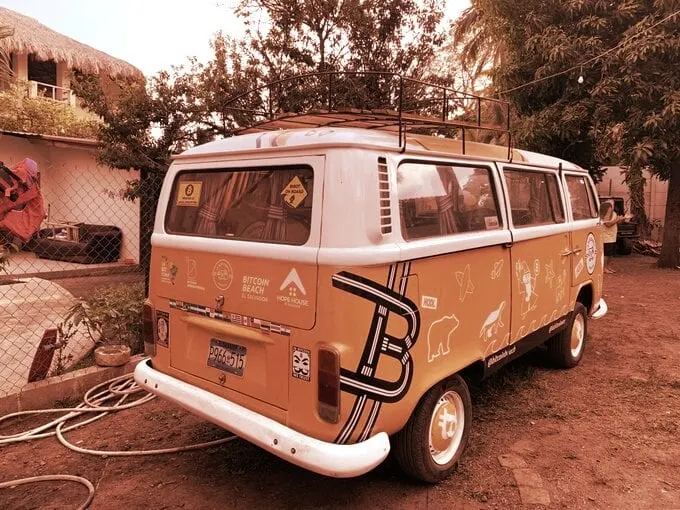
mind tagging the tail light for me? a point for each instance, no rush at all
(149, 329)
(329, 384)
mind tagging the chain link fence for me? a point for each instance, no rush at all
(75, 238)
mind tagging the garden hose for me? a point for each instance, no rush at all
(55, 478)
(97, 401)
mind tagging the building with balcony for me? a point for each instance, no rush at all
(77, 189)
(44, 59)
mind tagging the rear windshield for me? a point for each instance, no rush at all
(270, 204)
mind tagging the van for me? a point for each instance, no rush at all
(325, 292)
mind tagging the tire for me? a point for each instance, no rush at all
(566, 349)
(624, 247)
(428, 426)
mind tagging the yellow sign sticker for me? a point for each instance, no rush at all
(294, 193)
(189, 193)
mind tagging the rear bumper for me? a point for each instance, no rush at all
(600, 309)
(330, 459)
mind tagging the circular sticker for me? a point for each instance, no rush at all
(591, 253)
(222, 275)
(162, 330)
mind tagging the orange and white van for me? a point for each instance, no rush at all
(325, 293)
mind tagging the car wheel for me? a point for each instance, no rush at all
(430, 445)
(566, 348)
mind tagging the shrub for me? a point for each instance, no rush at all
(112, 315)
(18, 112)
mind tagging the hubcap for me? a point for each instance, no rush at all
(578, 330)
(446, 427)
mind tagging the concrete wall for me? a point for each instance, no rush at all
(76, 188)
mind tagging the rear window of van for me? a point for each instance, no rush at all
(272, 204)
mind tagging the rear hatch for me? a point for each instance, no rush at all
(237, 267)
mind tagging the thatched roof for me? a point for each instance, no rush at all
(31, 36)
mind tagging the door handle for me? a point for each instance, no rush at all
(566, 253)
(576, 251)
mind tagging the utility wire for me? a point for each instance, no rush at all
(593, 59)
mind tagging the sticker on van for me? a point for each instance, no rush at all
(189, 194)
(591, 253)
(223, 275)
(289, 289)
(301, 363)
(294, 193)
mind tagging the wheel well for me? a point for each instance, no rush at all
(473, 373)
(585, 297)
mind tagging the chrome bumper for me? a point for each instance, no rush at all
(330, 459)
(600, 309)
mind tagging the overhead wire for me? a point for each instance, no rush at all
(592, 59)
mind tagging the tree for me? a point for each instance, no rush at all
(146, 124)
(319, 35)
(297, 37)
(594, 82)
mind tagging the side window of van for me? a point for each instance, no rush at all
(534, 198)
(272, 204)
(583, 203)
(438, 200)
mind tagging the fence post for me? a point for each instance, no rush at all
(149, 191)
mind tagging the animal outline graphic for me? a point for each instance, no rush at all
(549, 274)
(440, 346)
(560, 288)
(527, 286)
(497, 269)
(466, 286)
(493, 321)
(579, 268)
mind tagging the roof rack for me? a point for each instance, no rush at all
(372, 100)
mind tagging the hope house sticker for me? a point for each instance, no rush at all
(294, 193)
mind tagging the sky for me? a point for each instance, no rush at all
(152, 35)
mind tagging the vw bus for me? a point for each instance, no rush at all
(326, 292)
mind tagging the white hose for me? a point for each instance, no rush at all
(95, 401)
(55, 478)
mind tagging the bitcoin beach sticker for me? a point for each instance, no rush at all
(189, 194)
(294, 193)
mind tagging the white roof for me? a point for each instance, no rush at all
(300, 138)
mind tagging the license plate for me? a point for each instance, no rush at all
(227, 356)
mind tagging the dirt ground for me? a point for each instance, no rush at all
(603, 435)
